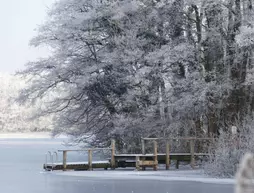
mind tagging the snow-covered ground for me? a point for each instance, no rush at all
(170, 175)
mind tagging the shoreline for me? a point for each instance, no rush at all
(25, 135)
(28, 135)
(171, 175)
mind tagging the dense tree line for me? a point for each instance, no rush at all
(15, 117)
(133, 68)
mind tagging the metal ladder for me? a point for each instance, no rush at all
(51, 156)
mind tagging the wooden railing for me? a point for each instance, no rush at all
(168, 140)
(141, 159)
(90, 155)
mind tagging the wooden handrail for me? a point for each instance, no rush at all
(167, 140)
(180, 138)
(86, 149)
(90, 154)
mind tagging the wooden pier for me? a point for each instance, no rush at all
(139, 161)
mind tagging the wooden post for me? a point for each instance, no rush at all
(155, 167)
(167, 155)
(177, 164)
(143, 146)
(90, 166)
(137, 163)
(113, 146)
(143, 152)
(64, 160)
(192, 146)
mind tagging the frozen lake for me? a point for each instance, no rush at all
(21, 172)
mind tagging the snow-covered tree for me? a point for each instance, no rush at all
(245, 175)
(15, 117)
(132, 68)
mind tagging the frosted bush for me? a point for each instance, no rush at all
(223, 158)
(229, 149)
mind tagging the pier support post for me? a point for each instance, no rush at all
(177, 164)
(64, 160)
(113, 161)
(90, 166)
(155, 167)
(192, 146)
(143, 152)
(143, 146)
(137, 163)
(167, 155)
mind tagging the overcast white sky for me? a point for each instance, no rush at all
(18, 19)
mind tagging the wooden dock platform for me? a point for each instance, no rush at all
(139, 161)
(123, 161)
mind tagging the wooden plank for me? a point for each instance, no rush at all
(147, 163)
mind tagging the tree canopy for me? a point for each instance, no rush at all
(132, 68)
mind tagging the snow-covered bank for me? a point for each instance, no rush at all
(171, 175)
(42, 135)
(29, 135)
(29, 139)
